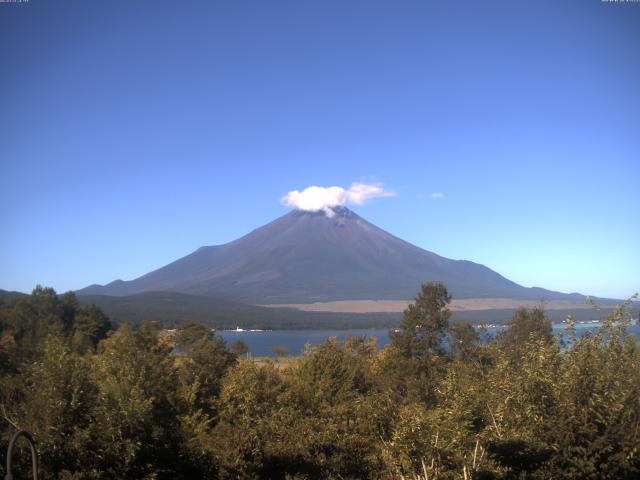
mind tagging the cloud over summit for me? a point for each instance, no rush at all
(314, 199)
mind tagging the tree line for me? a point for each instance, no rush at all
(437, 402)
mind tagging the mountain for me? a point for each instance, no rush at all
(305, 257)
(7, 296)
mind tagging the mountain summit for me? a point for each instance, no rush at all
(305, 257)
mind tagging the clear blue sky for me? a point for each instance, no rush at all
(132, 133)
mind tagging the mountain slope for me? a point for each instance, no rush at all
(308, 257)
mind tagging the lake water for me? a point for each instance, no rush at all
(261, 344)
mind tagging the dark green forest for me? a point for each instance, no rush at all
(437, 403)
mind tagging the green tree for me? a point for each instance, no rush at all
(425, 323)
(526, 325)
(205, 362)
(465, 340)
(57, 408)
(256, 435)
(330, 376)
(239, 348)
(334, 387)
(595, 427)
(27, 321)
(89, 327)
(31, 319)
(413, 362)
(135, 416)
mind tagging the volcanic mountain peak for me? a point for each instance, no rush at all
(309, 256)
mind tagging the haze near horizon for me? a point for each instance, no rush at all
(504, 134)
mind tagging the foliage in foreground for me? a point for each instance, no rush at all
(436, 403)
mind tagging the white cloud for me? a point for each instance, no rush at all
(436, 195)
(314, 199)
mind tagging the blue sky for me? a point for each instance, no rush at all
(132, 133)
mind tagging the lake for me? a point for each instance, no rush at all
(261, 343)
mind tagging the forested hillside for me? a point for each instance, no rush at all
(171, 308)
(114, 404)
